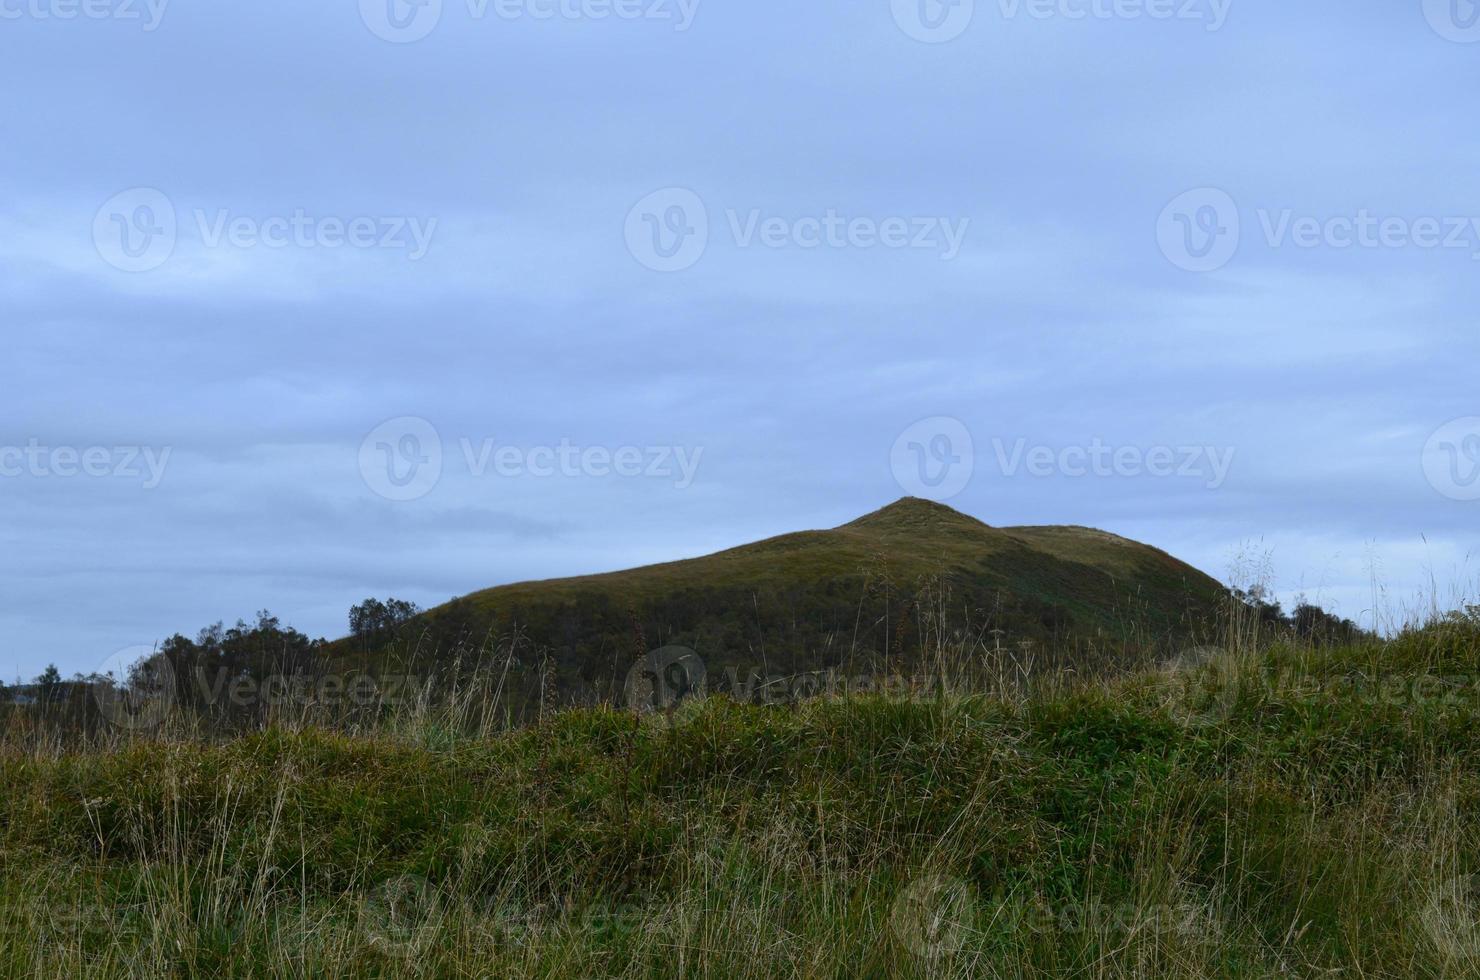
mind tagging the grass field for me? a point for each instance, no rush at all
(1265, 810)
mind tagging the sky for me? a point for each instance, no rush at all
(306, 303)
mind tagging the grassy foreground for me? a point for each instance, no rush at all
(1285, 812)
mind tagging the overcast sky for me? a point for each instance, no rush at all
(308, 302)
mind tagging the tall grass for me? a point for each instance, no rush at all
(1262, 807)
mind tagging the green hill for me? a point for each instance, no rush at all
(878, 590)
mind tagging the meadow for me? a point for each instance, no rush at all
(1266, 807)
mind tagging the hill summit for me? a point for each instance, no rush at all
(915, 512)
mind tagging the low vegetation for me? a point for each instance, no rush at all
(1282, 806)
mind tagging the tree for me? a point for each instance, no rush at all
(367, 618)
(1318, 626)
(49, 682)
(373, 618)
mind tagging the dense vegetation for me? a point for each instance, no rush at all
(1279, 808)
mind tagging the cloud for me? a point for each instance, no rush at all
(528, 321)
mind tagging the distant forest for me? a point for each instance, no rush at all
(230, 677)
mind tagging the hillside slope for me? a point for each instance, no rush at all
(875, 590)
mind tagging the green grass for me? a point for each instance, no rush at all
(909, 539)
(1279, 812)
(816, 599)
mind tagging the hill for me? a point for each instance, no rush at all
(882, 589)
